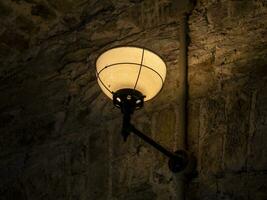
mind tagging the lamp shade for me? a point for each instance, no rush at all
(130, 67)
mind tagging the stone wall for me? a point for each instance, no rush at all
(60, 136)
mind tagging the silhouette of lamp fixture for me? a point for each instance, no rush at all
(129, 76)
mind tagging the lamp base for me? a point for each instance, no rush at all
(128, 100)
(179, 161)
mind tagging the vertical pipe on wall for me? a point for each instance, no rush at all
(182, 102)
(183, 82)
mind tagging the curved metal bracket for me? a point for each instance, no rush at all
(178, 160)
(128, 100)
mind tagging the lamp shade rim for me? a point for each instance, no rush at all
(123, 46)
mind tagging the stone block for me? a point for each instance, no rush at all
(164, 130)
(235, 144)
(211, 130)
(15, 40)
(257, 144)
(43, 10)
(5, 10)
(233, 186)
(257, 185)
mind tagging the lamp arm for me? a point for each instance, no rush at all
(150, 141)
(178, 160)
(127, 128)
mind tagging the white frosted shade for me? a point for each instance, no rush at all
(130, 67)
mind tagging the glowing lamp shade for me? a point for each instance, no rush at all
(130, 68)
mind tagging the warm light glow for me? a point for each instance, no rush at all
(130, 67)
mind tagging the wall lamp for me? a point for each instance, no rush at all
(130, 76)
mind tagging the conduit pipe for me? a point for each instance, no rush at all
(182, 102)
(184, 8)
(182, 96)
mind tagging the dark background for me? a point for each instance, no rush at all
(60, 136)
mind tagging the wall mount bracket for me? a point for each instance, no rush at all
(128, 100)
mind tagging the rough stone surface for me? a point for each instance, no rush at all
(60, 136)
